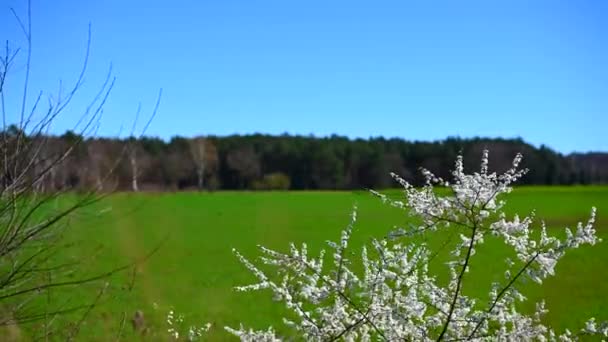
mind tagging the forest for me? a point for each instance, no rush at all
(267, 162)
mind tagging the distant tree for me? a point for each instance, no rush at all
(327, 167)
(204, 156)
(179, 167)
(133, 149)
(246, 163)
(101, 163)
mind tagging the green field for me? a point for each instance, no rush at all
(195, 270)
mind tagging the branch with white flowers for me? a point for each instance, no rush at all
(397, 298)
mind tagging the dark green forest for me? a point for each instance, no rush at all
(266, 162)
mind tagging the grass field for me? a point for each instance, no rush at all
(195, 270)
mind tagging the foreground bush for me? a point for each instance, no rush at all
(396, 297)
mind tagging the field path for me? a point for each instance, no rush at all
(130, 237)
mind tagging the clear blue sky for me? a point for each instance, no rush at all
(414, 69)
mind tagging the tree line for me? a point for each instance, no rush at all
(267, 162)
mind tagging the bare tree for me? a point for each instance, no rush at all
(96, 153)
(246, 163)
(133, 144)
(204, 156)
(33, 215)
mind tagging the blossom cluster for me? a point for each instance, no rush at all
(395, 297)
(192, 333)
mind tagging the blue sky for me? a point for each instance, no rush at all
(420, 70)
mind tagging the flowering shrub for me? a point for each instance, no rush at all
(395, 297)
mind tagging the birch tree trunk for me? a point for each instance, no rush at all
(133, 158)
(197, 149)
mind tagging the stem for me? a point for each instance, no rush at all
(459, 284)
(502, 292)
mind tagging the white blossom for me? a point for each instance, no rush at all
(394, 297)
(175, 326)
